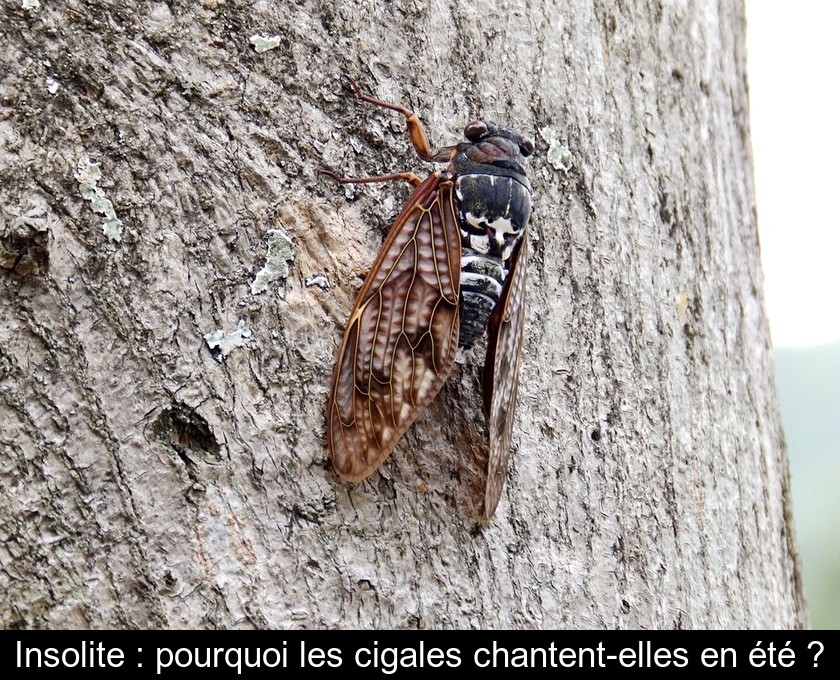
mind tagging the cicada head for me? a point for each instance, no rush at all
(494, 145)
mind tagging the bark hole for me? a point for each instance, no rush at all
(185, 430)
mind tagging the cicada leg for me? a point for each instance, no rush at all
(416, 131)
(409, 177)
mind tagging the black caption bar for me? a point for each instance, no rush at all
(172, 654)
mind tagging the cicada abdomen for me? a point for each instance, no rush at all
(452, 266)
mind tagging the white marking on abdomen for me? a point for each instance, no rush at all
(480, 244)
(479, 281)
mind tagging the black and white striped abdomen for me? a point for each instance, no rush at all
(493, 211)
(482, 282)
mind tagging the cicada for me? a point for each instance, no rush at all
(452, 266)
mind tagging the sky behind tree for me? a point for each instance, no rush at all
(793, 55)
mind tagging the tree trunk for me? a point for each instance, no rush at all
(177, 277)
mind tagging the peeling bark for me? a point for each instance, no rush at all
(153, 479)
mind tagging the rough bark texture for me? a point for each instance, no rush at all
(156, 472)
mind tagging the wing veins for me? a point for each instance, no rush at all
(359, 446)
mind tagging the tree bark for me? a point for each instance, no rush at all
(177, 277)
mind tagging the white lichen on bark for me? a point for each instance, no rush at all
(281, 252)
(225, 343)
(263, 43)
(88, 175)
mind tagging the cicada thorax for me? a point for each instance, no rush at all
(493, 203)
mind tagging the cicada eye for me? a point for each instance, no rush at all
(475, 130)
(526, 146)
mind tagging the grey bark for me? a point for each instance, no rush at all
(157, 472)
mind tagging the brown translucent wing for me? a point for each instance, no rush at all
(501, 374)
(402, 336)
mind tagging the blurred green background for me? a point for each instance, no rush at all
(809, 391)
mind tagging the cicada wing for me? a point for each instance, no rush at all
(402, 335)
(501, 374)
